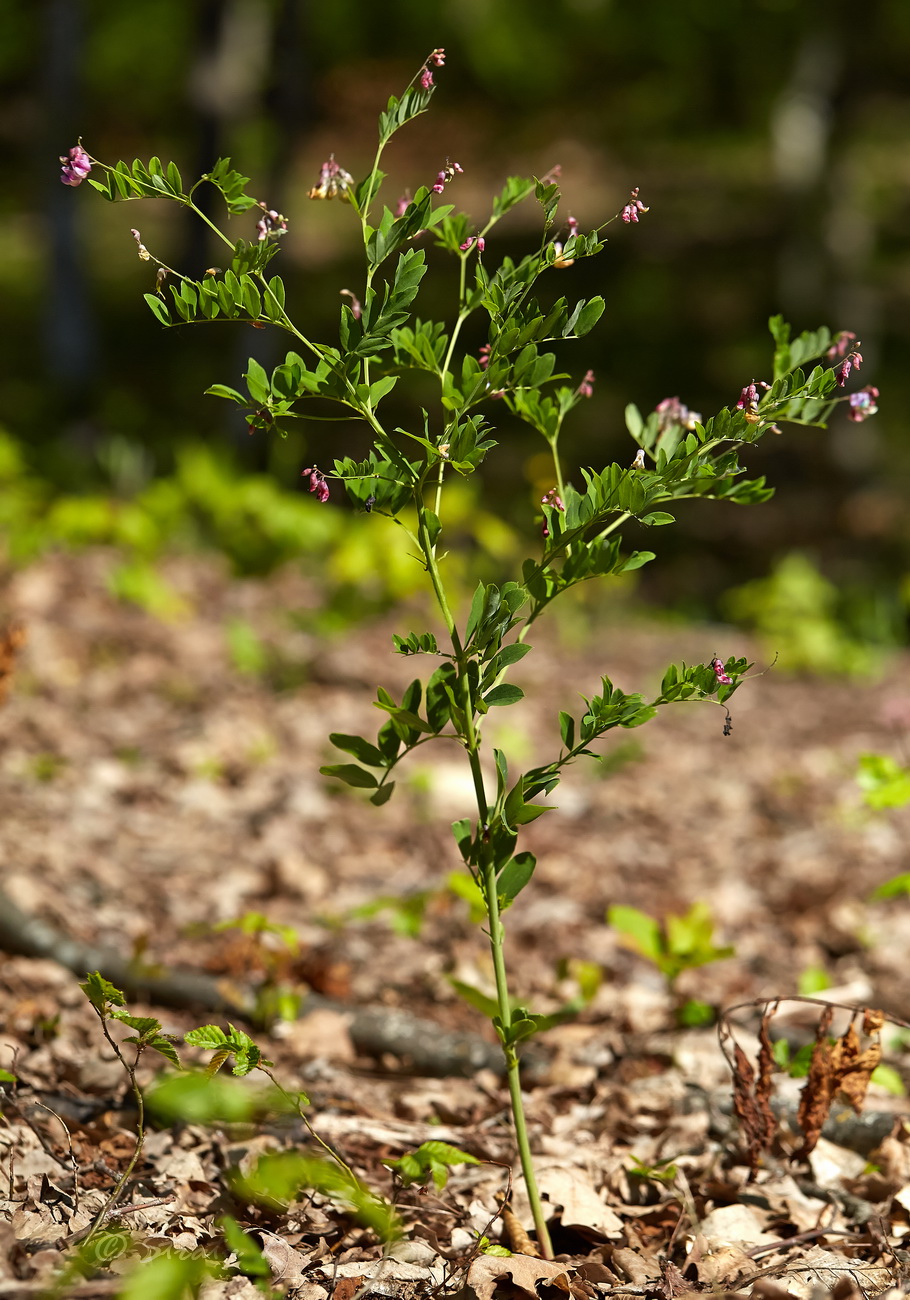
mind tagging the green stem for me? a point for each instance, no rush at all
(513, 1064)
(487, 876)
(105, 1211)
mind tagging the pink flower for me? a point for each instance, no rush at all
(446, 174)
(843, 342)
(484, 358)
(863, 404)
(356, 306)
(76, 166)
(633, 207)
(842, 373)
(671, 412)
(748, 398)
(317, 483)
(437, 58)
(403, 204)
(555, 502)
(723, 678)
(586, 387)
(469, 243)
(572, 223)
(270, 223)
(426, 79)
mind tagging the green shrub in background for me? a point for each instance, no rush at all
(812, 626)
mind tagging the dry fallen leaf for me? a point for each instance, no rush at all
(524, 1270)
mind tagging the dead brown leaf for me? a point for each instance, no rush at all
(524, 1270)
(842, 1066)
(752, 1094)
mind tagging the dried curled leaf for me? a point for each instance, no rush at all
(752, 1096)
(841, 1066)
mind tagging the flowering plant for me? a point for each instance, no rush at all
(676, 456)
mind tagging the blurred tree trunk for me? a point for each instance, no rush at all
(69, 327)
(249, 66)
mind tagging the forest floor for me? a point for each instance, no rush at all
(150, 792)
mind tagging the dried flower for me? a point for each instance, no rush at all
(143, 251)
(76, 166)
(863, 404)
(633, 207)
(317, 483)
(586, 387)
(356, 307)
(639, 461)
(723, 677)
(333, 182)
(559, 261)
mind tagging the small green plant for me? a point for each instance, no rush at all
(677, 944)
(431, 1160)
(209, 1097)
(406, 478)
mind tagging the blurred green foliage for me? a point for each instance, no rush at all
(810, 625)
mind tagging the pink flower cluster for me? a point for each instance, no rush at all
(633, 207)
(445, 175)
(671, 412)
(555, 502)
(270, 223)
(586, 387)
(853, 360)
(437, 58)
(317, 483)
(469, 243)
(76, 165)
(333, 182)
(723, 677)
(862, 404)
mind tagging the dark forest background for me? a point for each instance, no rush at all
(769, 138)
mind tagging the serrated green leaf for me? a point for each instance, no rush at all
(208, 1037)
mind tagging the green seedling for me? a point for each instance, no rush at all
(677, 944)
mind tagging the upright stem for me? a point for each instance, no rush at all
(487, 877)
(513, 1064)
